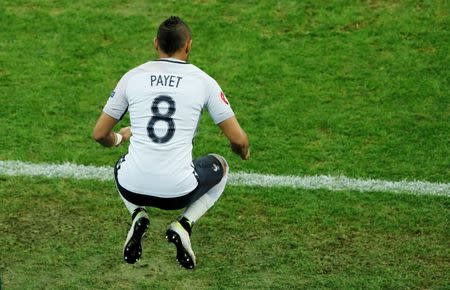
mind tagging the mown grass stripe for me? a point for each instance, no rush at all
(334, 183)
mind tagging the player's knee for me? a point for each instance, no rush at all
(222, 161)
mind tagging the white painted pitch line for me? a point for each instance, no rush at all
(334, 183)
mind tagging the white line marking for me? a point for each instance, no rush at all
(338, 183)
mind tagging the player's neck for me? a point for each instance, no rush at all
(179, 56)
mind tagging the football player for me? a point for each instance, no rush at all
(165, 98)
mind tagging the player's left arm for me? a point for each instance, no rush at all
(103, 132)
(114, 110)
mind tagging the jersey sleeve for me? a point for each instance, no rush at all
(117, 104)
(217, 104)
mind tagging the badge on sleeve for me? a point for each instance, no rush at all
(223, 98)
(112, 94)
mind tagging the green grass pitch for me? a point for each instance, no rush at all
(354, 88)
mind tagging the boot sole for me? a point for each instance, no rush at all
(133, 248)
(183, 256)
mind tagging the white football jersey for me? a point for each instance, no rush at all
(165, 99)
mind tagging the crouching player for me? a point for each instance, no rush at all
(165, 98)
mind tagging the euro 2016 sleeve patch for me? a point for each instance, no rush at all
(224, 99)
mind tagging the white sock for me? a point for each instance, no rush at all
(197, 209)
(130, 206)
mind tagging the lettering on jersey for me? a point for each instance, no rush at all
(223, 98)
(112, 94)
(165, 80)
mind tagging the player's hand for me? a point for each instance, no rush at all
(246, 155)
(126, 133)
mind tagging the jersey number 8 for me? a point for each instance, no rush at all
(157, 116)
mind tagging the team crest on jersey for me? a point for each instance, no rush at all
(223, 98)
(112, 94)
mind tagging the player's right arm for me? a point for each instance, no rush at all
(237, 137)
(220, 110)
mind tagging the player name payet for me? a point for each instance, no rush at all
(165, 80)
